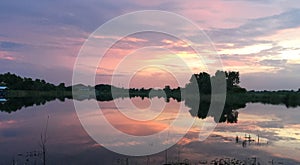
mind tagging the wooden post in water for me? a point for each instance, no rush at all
(148, 159)
(43, 142)
(166, 156)
(178, 154)
(44, 154)
(13, 161)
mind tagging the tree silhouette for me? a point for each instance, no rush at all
(232, 79)
(203, 81)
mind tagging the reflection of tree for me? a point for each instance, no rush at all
(284, 97)
(201, 109)
(15, 100)
(14, 104)
(198, 95)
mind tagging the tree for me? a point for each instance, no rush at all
(204, 83)
(61, 86)
(219, 81)
(232, 79)
(167, 89)
(201, 82)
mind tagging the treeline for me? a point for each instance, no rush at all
(289, 98)
(105, 92)
(36, 92)
(201, 81)
(199, 85)
(15, 82)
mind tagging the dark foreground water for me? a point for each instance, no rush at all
(277, 127)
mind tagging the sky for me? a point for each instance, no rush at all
(258, 38)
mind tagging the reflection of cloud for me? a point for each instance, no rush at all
(124, 144)
(7, 123)
(271, 124)
(135, 127)
(214, 147)
(10, 133)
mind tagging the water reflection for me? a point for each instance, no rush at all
(197, 109)
(200, 110)
(277, 127)
(12, 104)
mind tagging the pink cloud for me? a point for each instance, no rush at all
(224, 14)
(6, 56)
(131, 49)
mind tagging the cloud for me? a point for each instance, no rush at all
(285, 78)
(10, 46)
(256, 27)
(60, 13)
(276, 63)
(34, 70)
(50, 33)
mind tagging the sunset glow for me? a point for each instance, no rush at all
(264, 41)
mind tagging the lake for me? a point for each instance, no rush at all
(276, 126)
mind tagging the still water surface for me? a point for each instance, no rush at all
(277, 127)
